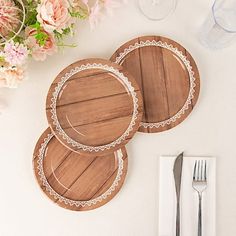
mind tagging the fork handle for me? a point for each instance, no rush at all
(200, 215)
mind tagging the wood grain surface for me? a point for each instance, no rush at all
(163, 79)
(75, 176)
(94, 107)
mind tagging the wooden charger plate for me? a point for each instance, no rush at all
(76, 182)
(94, 106)
(168, 78)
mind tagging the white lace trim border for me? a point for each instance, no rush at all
(56, 93)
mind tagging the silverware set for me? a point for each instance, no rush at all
(199, 184)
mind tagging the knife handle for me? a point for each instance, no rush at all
(178, 220)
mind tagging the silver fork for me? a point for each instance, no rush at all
(200, 184)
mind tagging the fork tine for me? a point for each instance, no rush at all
(200, 177)
(202, 170)
(205, 175)
(194, 171)
(199, 171)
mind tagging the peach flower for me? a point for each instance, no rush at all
(53, 14)
(39, 53)
(11, 76)
(9, 17)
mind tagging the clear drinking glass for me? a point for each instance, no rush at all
(219, 30)
(157, 9)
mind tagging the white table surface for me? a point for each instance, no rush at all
(209, 130)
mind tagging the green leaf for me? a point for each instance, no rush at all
(2, 59)
(36, 26)
(82, 14)
(65, 32)
(31, 13)
(18, 39)
(41, 36)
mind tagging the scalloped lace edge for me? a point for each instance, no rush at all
(57, 90)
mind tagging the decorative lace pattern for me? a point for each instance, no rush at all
(189, 69)
(124, 80)
(52, 192)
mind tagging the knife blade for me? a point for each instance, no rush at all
(177, 170)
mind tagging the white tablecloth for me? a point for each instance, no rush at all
(208, 131)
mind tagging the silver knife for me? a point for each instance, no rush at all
(178, 175)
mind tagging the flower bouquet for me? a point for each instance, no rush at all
(37, 29)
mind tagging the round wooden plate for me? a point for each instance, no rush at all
(168, 78)
(76, 182)
(94, 106)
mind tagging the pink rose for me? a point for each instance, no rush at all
(53, 14)
(39, 53)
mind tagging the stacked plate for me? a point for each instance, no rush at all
(94, 108)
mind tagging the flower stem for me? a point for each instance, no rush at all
(67, 45)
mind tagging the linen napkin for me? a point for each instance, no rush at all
(188, 199)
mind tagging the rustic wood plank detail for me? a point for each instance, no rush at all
(92, 99)
(164, 79)
(77, 177)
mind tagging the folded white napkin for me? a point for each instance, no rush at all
(189, 199)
